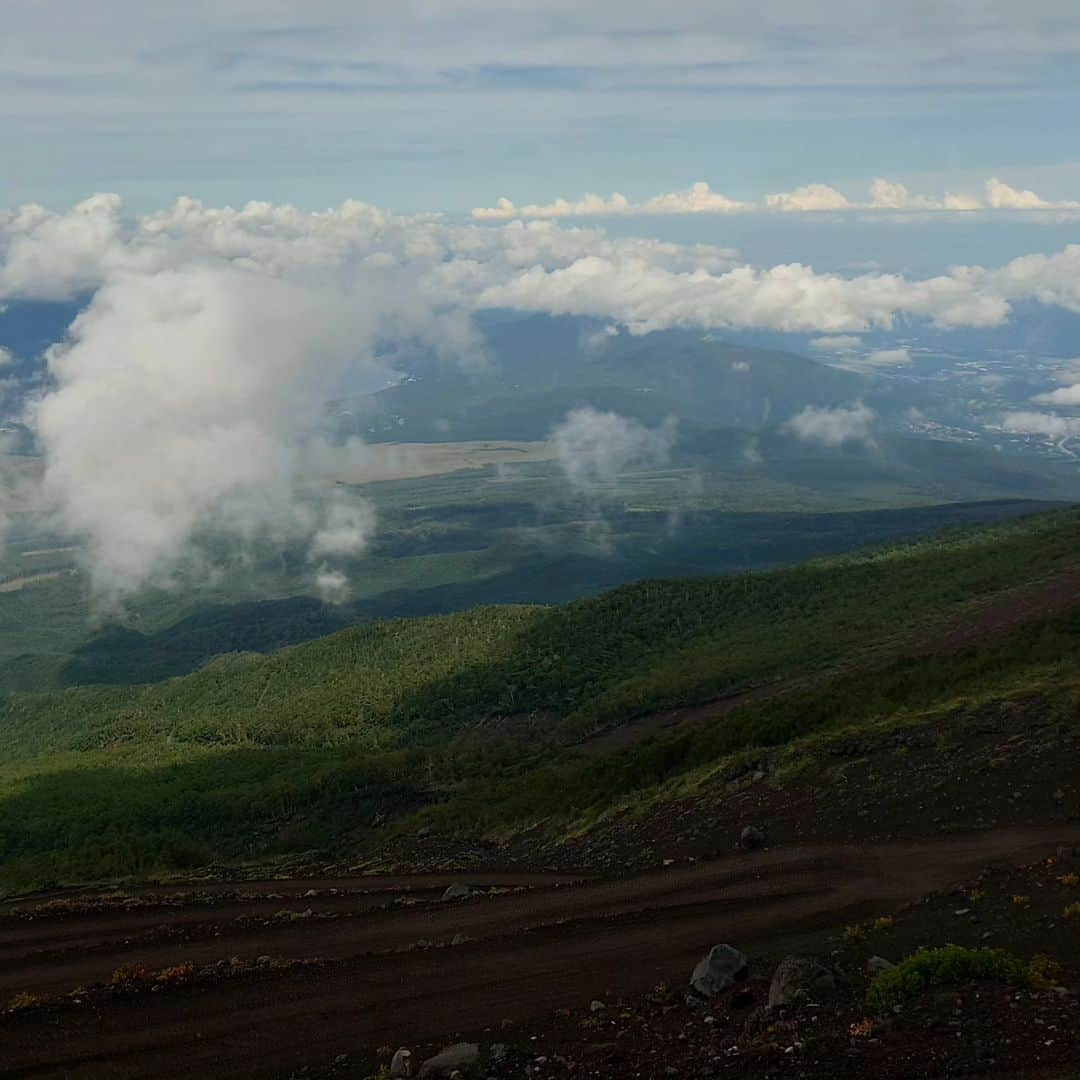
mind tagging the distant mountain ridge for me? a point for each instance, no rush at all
(538, 367)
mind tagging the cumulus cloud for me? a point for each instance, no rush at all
(1065, 395)
(834, 427)
(836, 343)
(597, 447)
(1001, 196)
(875, 360)
(182, 402)
(790, 297)
(890, 195)
(812, 198)
(332, 585)
(888, 358)
(189, 396)
(699, 198)
(1039, 423)
(345, 531)
(51, 256)
(589, 205)
(1068, 394)
(885, 196)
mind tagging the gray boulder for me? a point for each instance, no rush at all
(799, 978)
(720, 969)
(402, 1065)
(752, 838)
(458, 891)
(446, 1062)
(877, 964)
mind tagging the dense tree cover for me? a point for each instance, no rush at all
(478, 712)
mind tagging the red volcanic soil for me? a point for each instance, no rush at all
(388, 971)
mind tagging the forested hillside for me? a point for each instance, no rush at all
(255, 755)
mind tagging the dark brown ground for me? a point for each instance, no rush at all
(530, 953)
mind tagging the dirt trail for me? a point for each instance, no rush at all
(528, 953)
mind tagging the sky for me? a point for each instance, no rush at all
(248, 200)
(449, 105)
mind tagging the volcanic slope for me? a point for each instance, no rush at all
(489, 722)
(901, 727)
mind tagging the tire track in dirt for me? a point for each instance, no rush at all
(530, 953)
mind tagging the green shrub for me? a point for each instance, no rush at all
(952, 965)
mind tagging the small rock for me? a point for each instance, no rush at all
(402, 1065)
(604, 1051)
(877, 964)
(451, 1059)
(751, 838)
(721, 968)
(597, 1006)
(798, 977)
(460, 939)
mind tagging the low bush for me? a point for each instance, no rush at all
(951, 965)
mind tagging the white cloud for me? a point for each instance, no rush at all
(332, 585)
(597, 447)
(503, 210)
(1065, 395)
(790, 297)
(346, 530)
(890, 195)
(834, 427)
(887, 198)
(588, 206)
(1002, 197)
(699, 198)
(888, 358)
(52, 256)
(836, 343)
(872, 361)
(1068, 373)
(182, 403)
(812, 198)
(189, 396)
(1037, 423)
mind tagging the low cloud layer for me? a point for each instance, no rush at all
(596, 447)
(1043, 424)
(834, 427)
(188, 398)
(699, 198)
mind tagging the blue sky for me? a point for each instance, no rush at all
(449, 105)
